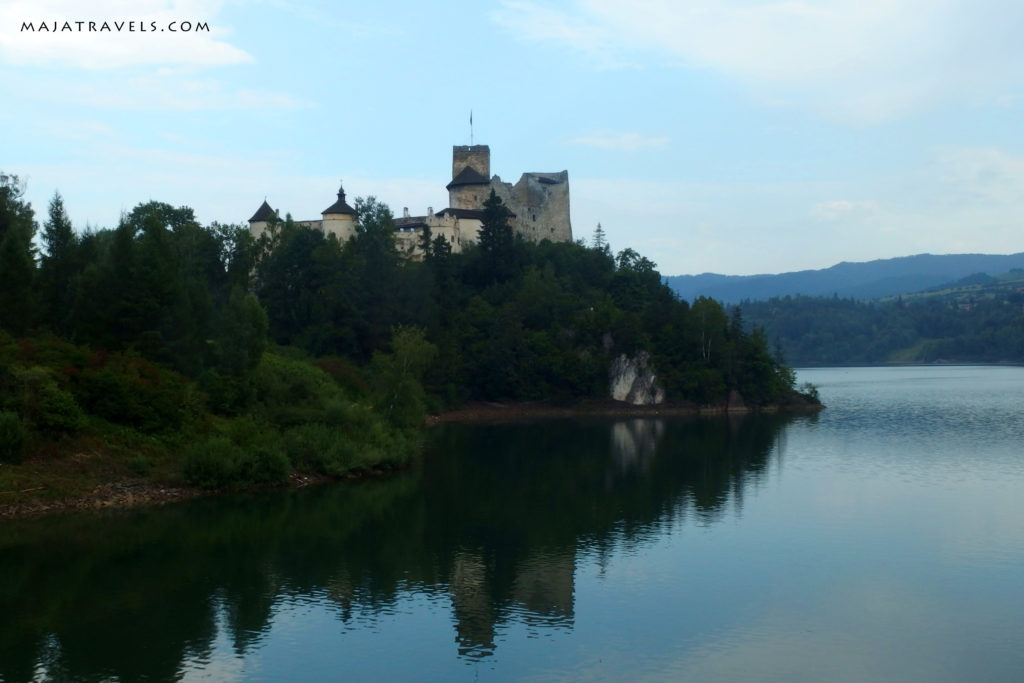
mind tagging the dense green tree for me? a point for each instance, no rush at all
(399, 394)
(17, 256)
(426, 242)
(241, 337)
(496, 239)
(59, 267)
(599, 242)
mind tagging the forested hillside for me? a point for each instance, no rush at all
(511, 320)
(979, 319)
(255, 358)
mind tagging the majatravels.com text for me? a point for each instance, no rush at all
(114, 26)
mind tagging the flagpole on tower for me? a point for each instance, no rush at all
(471, 127)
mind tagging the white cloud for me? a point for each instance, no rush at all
(157, 90)
(986, 175)
(536, 23)
(609, 139)
(842, 208)
(859, 61)
(176, 93)
(87, 49)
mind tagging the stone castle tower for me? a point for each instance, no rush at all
(471, 176)
(540, 201)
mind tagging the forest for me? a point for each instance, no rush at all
(237, 361)
(977, 320)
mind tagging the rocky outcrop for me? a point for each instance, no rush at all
(633, 380)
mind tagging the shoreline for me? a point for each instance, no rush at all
(497, 411)
(124, 492)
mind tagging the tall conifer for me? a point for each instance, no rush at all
(57, 266)
(17, 256)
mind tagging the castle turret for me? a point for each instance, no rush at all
(471, 176)
(339, 218)
(261, 219)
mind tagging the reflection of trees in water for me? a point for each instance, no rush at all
(494, 518)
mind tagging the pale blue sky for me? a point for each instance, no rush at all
(746, 136)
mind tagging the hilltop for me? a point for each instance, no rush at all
(861, 281)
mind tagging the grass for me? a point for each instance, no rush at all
(75, 468)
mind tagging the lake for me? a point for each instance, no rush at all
(882, 539)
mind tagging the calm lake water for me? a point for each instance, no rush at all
(882, 539)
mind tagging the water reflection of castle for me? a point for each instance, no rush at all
(647, 466)
(542, 593)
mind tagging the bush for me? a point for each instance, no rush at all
(282, 381)
(220, 463)
(320, 448)
(45, 405)
(810, 392)
(363, 441)
(132, 391)
(13, 438)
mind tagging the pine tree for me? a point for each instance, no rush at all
(600, 241)
(426, 242)
(17, 256)
(57, 267)
(496, 236)
(497, 241)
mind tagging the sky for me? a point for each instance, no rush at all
(729, 136)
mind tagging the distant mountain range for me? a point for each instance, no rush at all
(868, 280)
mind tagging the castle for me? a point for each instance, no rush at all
(539, 203)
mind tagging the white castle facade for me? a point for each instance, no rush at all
(539, 203)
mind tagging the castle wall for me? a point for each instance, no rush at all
(457, 232)
(468, 196)
(257, 228)
(541, 204)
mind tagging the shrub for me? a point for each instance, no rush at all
(219, 463)
(283, 381)
(810, 392)
(132, 391)
(346, 373)
(320, 448)
(13, 438)
(212, 464)
(45, 405)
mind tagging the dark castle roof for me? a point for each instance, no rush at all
(466, 213)
(407, 223)
(264, 213)
(339, 206)
(462, 213)
(468, 176)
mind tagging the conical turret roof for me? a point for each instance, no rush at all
(264, 213)
(339, 206)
